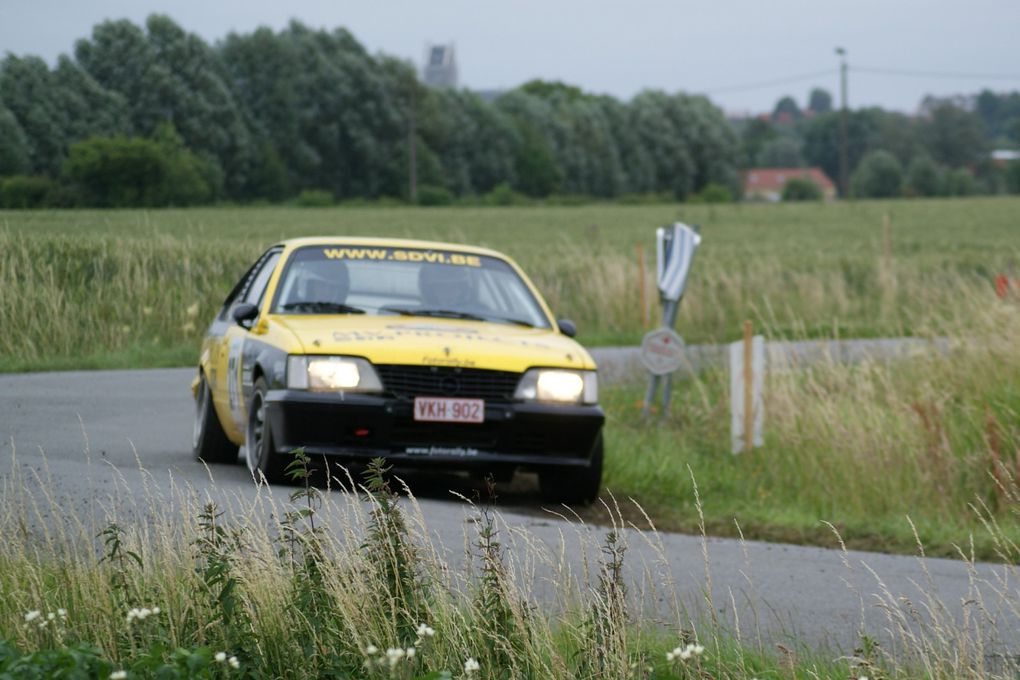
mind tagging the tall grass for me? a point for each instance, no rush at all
(860, 446)
(87, 287)
(328, 585)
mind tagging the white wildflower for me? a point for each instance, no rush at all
(685, 655)
(371, 650)
(234, 663)
(670, 656)
(471, 666)
(425, 631)
(62, 613)
(221, 657)
(118, 675)
(410, 652)
(155, 610)
(394, 655)
(32, 615)
(697, 650)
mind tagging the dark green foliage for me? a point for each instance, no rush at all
(268, 114)
(954, 136)
(122, 171)
(15, 153)
(121, 561)
(819, 101)
(961, 182)
(217, 549)
(1013, 177)
(782, 152)
(80, 662)
(786, 111)
(801, 189)
(923, 177)
(388, 546)
(429, 195)
(715, 193)
(314, 198)
(879, 175)
(603, 633)
(21, 191)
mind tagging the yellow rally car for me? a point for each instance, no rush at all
(421, 353)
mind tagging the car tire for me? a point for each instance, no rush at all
(259, 451)
(574, 486)
(209, 442)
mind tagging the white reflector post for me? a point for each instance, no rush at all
(675, 248)
(737, 400)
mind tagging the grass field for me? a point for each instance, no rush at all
(860, 448)
(112, 288)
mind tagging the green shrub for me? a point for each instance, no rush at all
(879, 175)
(923, 176)
(801, 189)
(116, 172)
(714, 192)
(960, 182)
(314, 198)
(569, 199)
(22, 191)
(503, 194)
(429, 195)
(648, 198)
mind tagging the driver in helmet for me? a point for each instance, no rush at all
(446, 287)
(325, 281)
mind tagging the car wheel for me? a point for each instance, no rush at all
(574, 486)
(209, 442)
(259, 451)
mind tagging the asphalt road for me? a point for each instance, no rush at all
(86, 437)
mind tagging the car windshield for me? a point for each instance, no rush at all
(405, 281)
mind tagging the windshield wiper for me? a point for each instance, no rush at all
(323, 306)
(441, 313)
(507, 319)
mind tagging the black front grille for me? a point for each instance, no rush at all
(446, 381)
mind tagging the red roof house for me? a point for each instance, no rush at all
(766, 184)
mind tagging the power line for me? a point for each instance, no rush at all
(933, 74)
(771, 83)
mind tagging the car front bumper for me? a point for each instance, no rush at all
(358, 426)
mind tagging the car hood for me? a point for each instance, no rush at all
(436, 342)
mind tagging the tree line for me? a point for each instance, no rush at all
(942, 151)
(154, 115)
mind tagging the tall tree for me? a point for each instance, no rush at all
(819, 101)
(954, 136)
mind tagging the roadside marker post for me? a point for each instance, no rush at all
(747, 408)
(662, 348)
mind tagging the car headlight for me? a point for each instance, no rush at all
(331, 374)
(559, 386)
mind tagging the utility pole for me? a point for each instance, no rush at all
(843, 162)
(412, 144)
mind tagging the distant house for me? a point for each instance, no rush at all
(440, 66)
(766, 184)
(1003, 157)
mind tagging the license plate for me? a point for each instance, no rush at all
(446, 410)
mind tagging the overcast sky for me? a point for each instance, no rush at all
(718, 47)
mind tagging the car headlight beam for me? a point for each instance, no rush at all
(558, 386)
(331, 374)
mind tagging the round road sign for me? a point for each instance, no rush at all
(662, 351)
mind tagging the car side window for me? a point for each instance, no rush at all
(258, 285)
(262, 269)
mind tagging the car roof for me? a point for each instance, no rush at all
(386, 243)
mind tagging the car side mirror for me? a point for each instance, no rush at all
(245, 313)
(567, 327)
